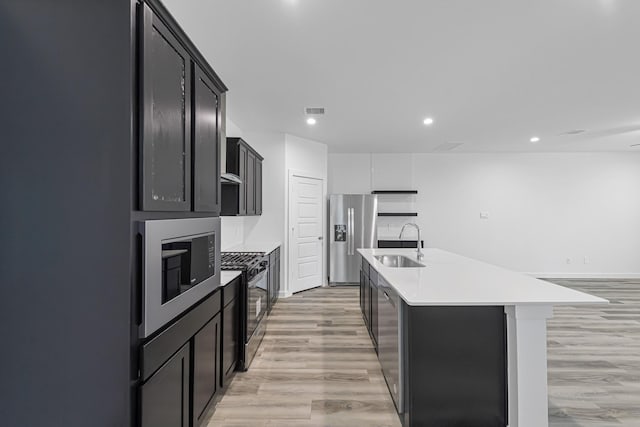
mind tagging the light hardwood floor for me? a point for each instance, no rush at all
(317, 367)
(594, 358)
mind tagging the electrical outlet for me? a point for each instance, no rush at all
(586, 259)
(568, 260)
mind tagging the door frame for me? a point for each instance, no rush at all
(291, 173)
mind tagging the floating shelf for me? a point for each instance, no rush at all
(394, 192)
(397, 213)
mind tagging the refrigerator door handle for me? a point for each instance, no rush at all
(349, 231)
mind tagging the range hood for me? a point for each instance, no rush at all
(225, 178)
(230, 178)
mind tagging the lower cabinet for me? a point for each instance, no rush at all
(373, 318)
(274, 277)
(185, 366)
(443, 365)
(366, 299)
(230, 330)
(165, 396)
(206, 367)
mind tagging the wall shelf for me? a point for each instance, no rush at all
(397, 213)
(394, 192)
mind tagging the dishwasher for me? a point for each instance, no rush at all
(389, 340)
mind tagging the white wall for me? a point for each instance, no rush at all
(543, 208)
(269, 226)
(308, 158)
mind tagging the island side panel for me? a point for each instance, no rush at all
(527, 354)
(455, 366)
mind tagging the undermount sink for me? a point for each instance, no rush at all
(397, 261)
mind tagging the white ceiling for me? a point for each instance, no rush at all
(492, 73)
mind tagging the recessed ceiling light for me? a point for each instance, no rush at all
(311, 121)
(428, 121)
(534, 139)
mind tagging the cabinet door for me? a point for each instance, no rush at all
(165, 155)
(258, 189)
(361, 291)
(230, 339)
(206, 144)
(242, 173)
(206, 367)
(373, 319)
(251, 183)
(366, 300)
(165, 396)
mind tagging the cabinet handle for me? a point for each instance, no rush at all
(385, 295)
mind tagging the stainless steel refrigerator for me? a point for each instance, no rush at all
(352, 225)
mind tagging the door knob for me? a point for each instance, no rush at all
(320, 238)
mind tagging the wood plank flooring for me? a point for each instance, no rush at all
(594, 357)
(317, 367)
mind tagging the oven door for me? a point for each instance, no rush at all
(257, 302)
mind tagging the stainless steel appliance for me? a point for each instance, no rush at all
(255, 298)
(389, 340)
(352, 225)
(181, 265)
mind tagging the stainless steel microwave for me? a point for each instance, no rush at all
(181, 265)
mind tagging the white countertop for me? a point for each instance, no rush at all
(266, 247)
(450, 279)
(227, 276)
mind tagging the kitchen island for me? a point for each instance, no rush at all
(461, 342)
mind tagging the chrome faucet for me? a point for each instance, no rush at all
(420, 254)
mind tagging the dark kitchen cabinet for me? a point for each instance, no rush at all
(258, 187)
(165, 396)
(244, 198)
(251, 184)
(206, 367)
(274, 277)
(206, 143)
(366, 299)
(196, 337)
(362, 291)
(242, 173)
(230, 329)
(425, 351)
(181, 113)
(373, 317)
(166, 124)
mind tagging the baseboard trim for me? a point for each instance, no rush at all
(585, 275)
(284, 294)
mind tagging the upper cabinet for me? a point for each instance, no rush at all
(181, 109)
(244, 198)
(206, 143)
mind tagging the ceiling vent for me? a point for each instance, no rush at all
(573, 132)
(447, 146)
(315, 111)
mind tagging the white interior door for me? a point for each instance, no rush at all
(305, 219)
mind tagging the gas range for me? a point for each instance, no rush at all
(255, 271)
(244, 261)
